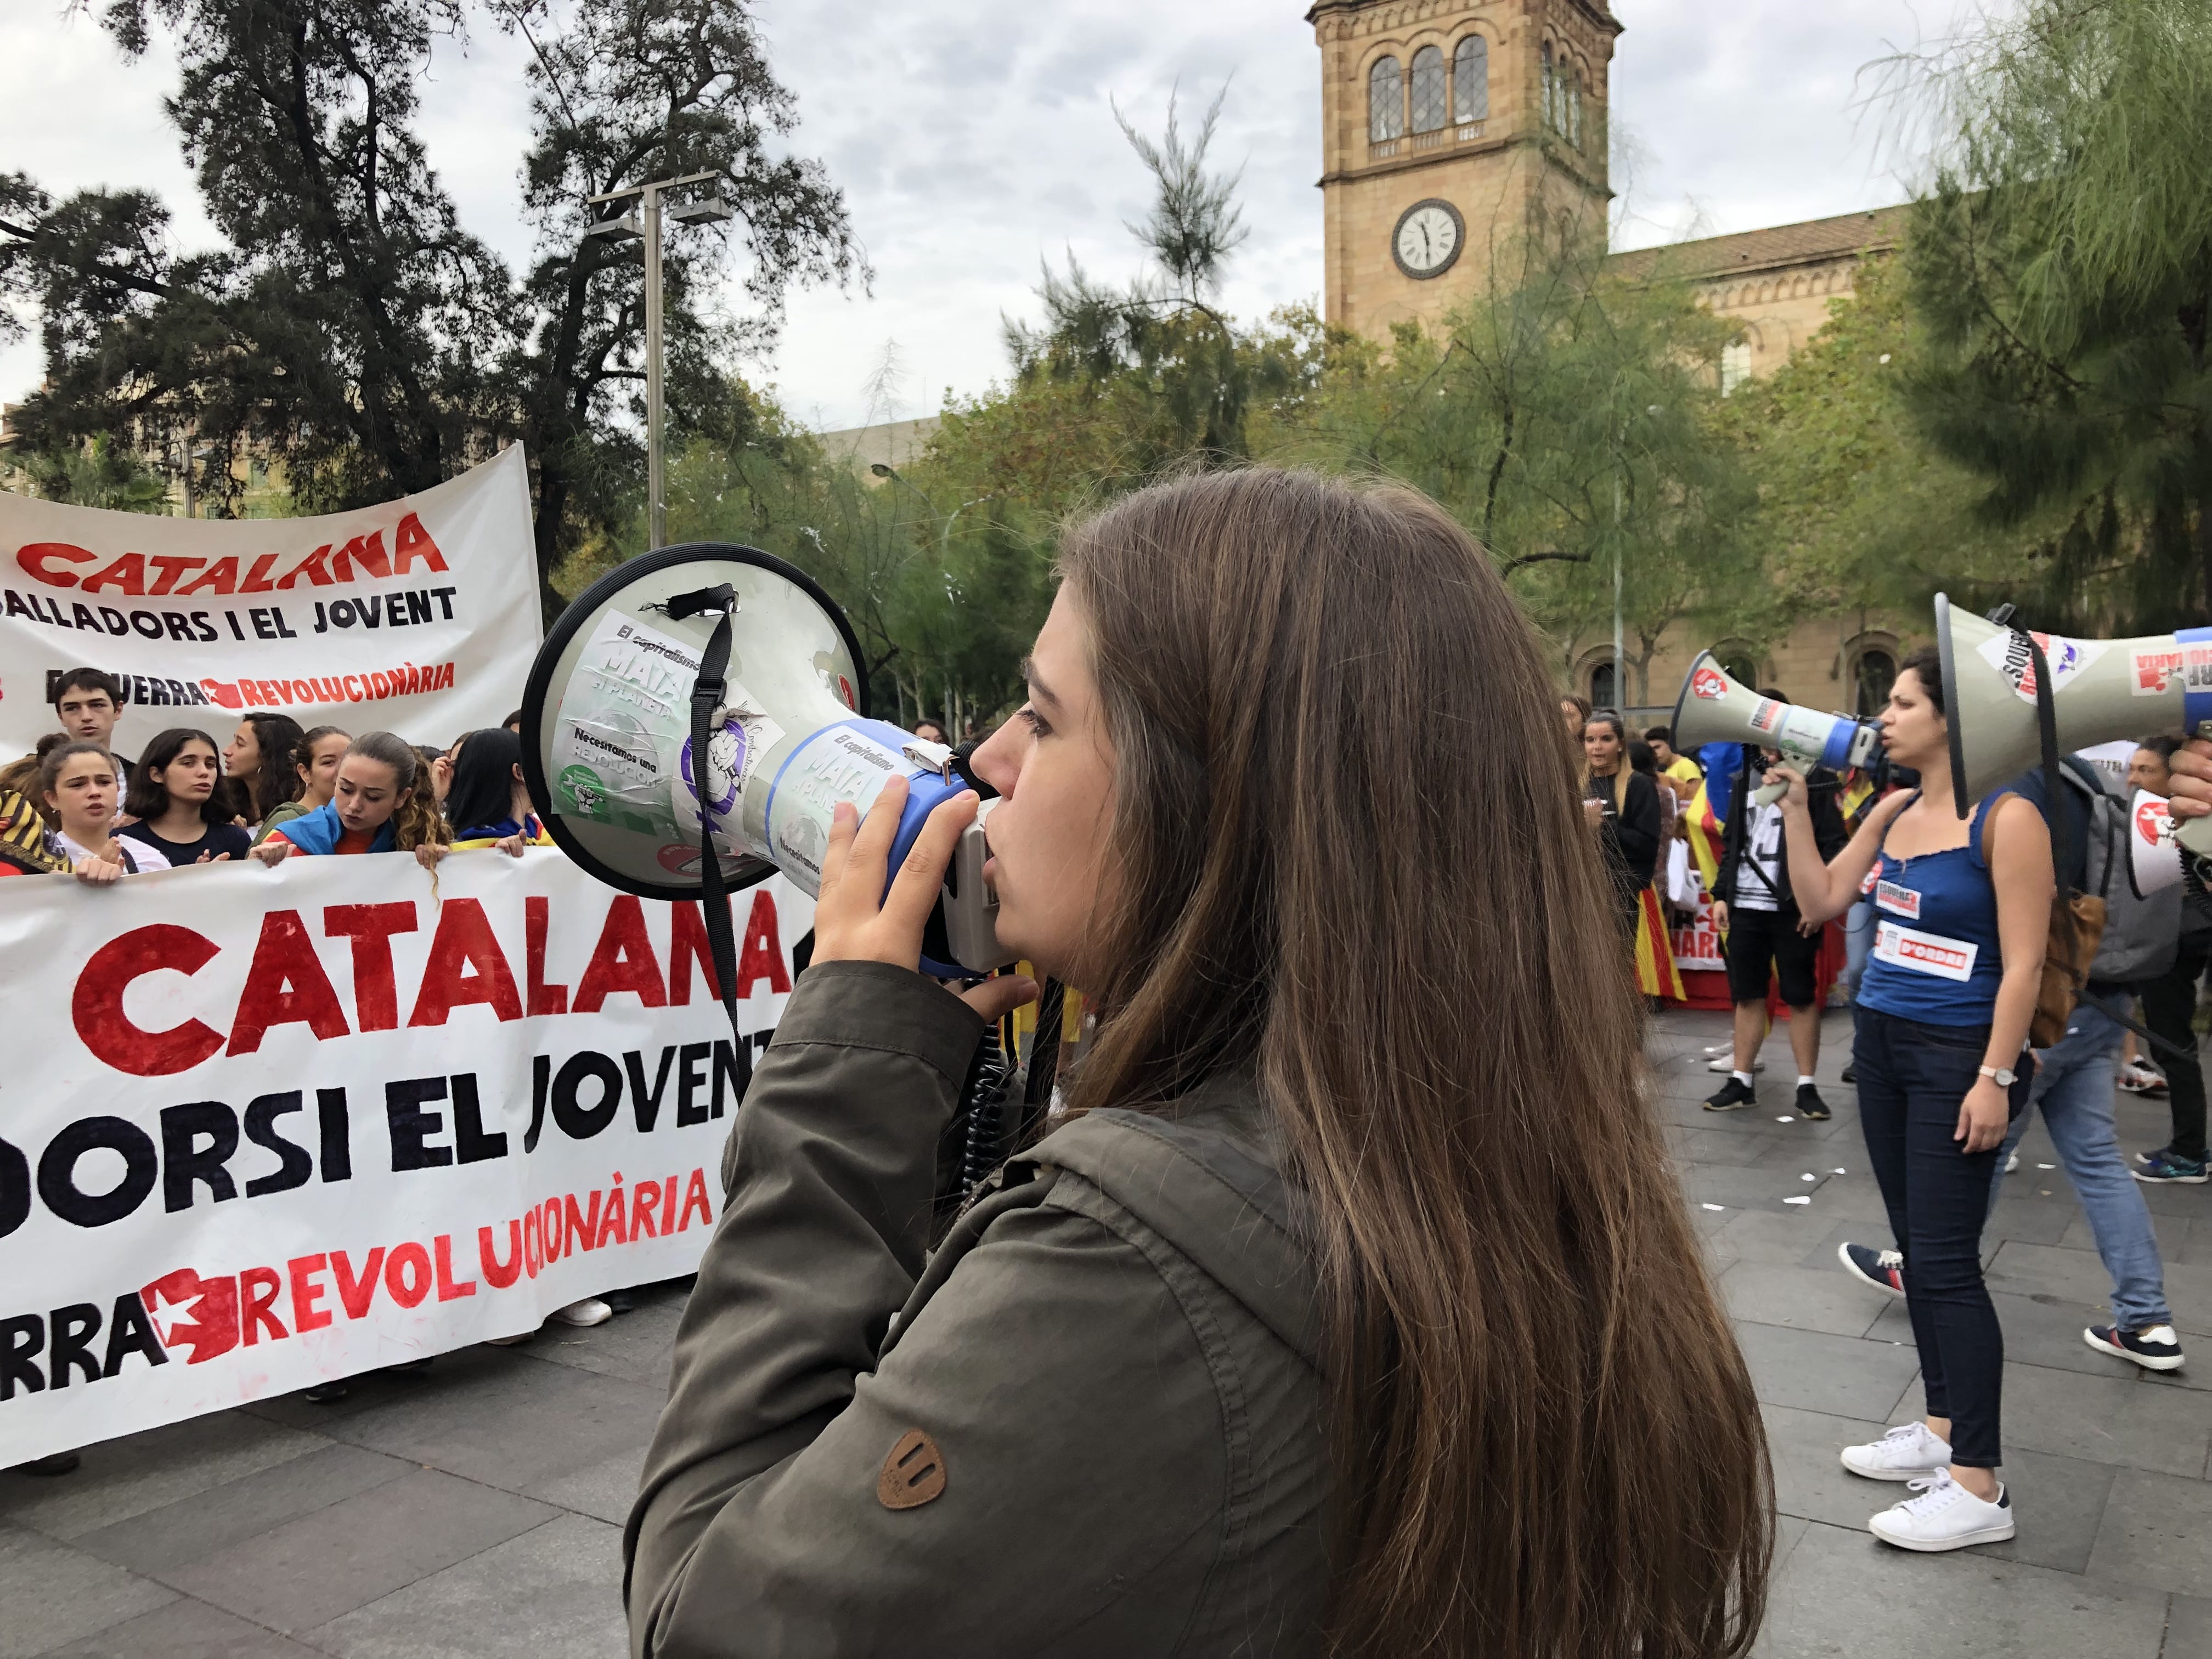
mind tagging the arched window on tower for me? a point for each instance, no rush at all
(1428, 90)
(1575, 108)
(1386, 101)
(1600, 690)
(1471, 79)
(1876, 674)
(1550, 121)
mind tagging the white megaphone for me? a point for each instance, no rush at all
(2100, 691)
(2154, 852)
(608, 726)
(1714, 708)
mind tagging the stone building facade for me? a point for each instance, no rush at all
(1446, 128)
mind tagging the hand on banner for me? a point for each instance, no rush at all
(852, 924)
(212, 857)
(98, 871)
(428, 855)
(271, 852)
(2191, 766)
(510, 845)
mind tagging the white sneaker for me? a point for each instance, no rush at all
(2012, 1163)
(590, 1312)
(1905, 1453)
(2138, 1079)
(1726, 1062)
(1944, 1516)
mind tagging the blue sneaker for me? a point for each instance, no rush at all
(2169, 1168)
(2155, 1154)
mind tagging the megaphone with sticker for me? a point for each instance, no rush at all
(1715, 708)
(2100, 691)
(693, 721)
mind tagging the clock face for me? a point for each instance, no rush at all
(1427, 239)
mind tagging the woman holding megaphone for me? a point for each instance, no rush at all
(1351, 1304)
(1962, 909)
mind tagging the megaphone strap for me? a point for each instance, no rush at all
(705, 700)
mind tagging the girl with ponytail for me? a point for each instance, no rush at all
(380, 804)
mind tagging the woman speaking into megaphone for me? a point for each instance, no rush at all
(1350, 1305)
(1962, 909)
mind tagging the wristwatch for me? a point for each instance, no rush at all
(2002, 1076)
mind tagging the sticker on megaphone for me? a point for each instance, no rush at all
(2154, 855)
(1715, 708)
(608, 754)
(622, 753)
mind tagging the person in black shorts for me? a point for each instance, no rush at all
(1759, 919)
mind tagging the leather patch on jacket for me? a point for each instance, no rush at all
(913, 1475)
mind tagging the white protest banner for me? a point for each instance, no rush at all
(419, 616)
(260, 1128)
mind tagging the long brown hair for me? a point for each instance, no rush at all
(1352, 859)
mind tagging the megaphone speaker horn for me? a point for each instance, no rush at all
(621, 690)
(1715, 708)
(2101, 690)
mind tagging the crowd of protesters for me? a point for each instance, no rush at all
(75, 808)
(1947, 1066)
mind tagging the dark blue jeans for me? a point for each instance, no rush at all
(1911, 1077)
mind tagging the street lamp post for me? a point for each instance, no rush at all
(645, 223)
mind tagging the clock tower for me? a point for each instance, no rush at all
(1448, 128)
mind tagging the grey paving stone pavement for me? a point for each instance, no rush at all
(474, 1507)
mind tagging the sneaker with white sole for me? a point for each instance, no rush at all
(1726, 1062)
(2138, 1079)
(1905, 1453)
(590, 1312)
(2155, 1347)
(1944, 1516)
(1732, 1097)
(2169, 1168)
(1883, 1269)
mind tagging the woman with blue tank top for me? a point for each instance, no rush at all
(1962, 910)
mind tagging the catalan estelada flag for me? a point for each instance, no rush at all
(1655, 973)
(1704, 826)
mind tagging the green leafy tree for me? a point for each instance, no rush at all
(1858, 513)
(100, 473)
(2062, 268)
(1570, 417)
(1161, 341)
(348, 325)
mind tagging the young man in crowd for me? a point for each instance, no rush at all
(1755, 910)
(87, 703)
(1680, 768)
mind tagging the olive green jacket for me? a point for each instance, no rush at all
(1112, 1356)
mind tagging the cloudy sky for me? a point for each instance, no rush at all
(975, 139)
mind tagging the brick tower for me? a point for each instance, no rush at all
(1446, 128)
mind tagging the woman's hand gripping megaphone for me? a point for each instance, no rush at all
(1783, 783)
(857, 920)
(2192, 768)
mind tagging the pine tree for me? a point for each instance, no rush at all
(2062, 265)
